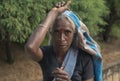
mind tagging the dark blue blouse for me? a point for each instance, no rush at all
(83, 69)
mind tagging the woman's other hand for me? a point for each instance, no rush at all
(60, 75)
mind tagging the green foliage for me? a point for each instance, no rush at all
(115, 32)
(91, 13)
(116, 25)
(113, 18)
(114, 4)
(117, 6)
(20, 18)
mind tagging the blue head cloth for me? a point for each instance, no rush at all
(73, 17)
(97, 58)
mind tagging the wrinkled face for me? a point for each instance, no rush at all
(62, 34)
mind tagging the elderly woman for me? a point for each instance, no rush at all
(64, 59)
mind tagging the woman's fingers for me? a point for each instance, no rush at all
(60, 74)
(60, 7)
(60, 71)
(67, 4)
(60, 4)
(63, 4)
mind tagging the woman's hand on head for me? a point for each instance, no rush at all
(61, 7)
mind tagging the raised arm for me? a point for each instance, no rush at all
(36, 39)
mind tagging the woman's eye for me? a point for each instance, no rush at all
(67, 32)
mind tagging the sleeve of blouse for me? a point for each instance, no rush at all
(44, 53)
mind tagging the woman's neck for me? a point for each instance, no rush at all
(60, 54)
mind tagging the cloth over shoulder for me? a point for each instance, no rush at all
(97, 58)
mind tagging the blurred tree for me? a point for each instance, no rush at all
(113, 20)
(18, 18)
(91, 13)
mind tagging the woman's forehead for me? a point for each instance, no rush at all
(63, 22)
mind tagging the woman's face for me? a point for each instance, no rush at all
(62, 34)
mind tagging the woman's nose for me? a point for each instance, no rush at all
(62, 37)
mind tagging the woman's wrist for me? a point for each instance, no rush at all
(50, 18)
(53, 13)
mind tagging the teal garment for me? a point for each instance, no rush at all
(97, 59)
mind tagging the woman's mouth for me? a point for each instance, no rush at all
(62, 45)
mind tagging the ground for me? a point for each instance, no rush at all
(25, 69)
